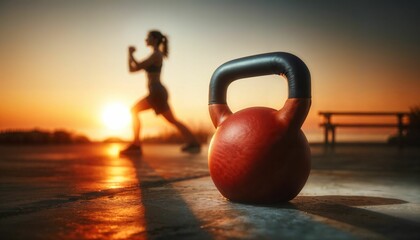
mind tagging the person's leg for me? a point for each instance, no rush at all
(186, 133)
(138, 107)
(135, 147)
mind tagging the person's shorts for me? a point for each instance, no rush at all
(158, 98)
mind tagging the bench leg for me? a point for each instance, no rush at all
(326, 135)
(332, 136)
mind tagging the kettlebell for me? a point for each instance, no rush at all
(259, 154)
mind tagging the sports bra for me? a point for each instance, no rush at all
(154, 68)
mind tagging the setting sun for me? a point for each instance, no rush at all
(115, 116)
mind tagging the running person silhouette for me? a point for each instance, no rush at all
(158, 96)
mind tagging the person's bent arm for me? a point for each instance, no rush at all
(132, 63)
(135, 66)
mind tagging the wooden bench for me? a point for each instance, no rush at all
(331, 127)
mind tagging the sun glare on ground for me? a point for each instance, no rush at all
(116, 116)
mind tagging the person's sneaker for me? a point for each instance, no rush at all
(191, 148)
(133, 149)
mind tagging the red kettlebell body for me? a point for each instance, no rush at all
(260, 155)
(256, 156)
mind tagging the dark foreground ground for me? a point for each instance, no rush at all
(89, 192)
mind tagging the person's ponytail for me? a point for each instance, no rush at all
(164, 45)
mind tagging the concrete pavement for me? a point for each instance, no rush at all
(89, 192)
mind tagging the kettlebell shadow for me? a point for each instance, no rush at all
(344, 209)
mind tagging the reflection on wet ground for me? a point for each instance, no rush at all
(90, 192)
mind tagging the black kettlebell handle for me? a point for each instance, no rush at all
(281, 63)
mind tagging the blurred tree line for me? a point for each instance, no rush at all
(37, 136)
(412, 132)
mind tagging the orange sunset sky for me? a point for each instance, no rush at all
(63, 63)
